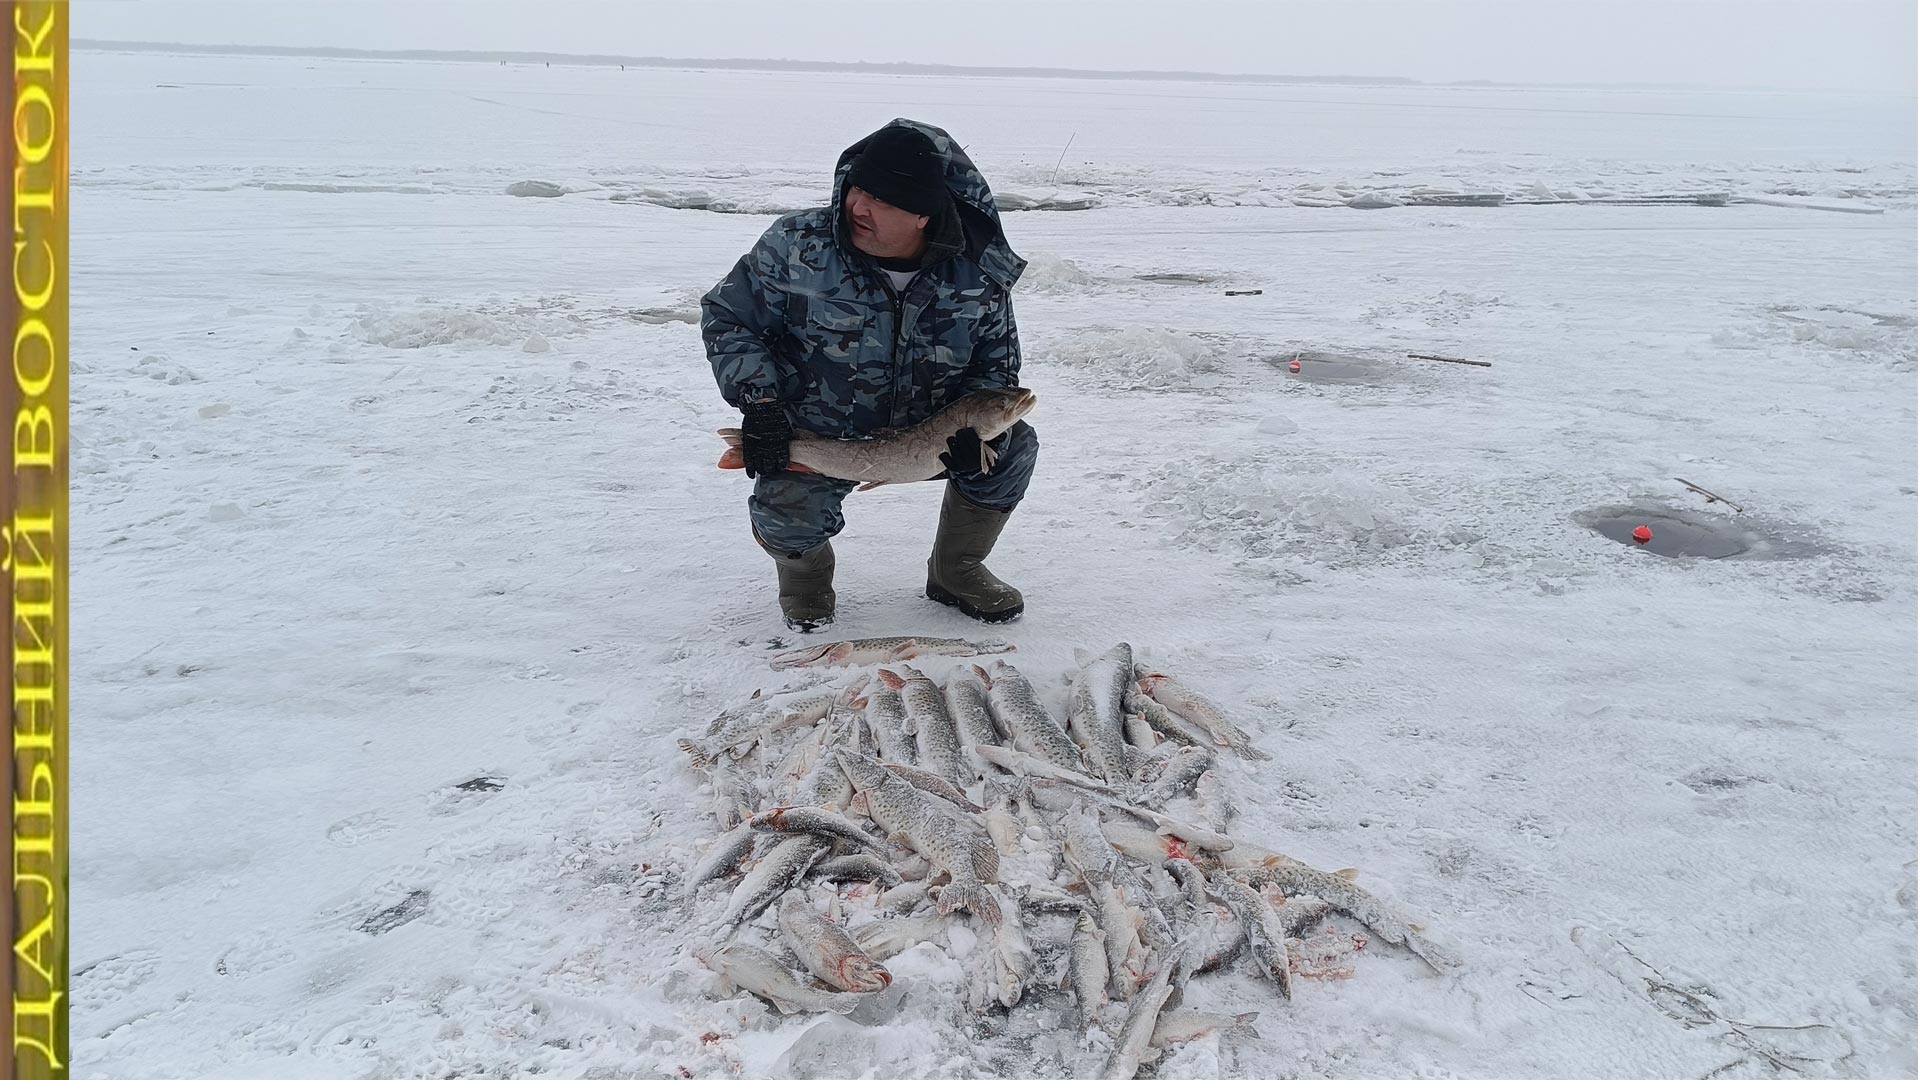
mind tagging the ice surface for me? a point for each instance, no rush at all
(456, 559)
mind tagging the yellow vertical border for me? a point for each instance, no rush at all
(36, 539)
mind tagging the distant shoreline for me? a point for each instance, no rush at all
(864, 68)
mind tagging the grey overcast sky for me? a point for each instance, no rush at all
(1859, 45)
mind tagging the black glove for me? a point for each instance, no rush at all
(963, 453)
(765, 432)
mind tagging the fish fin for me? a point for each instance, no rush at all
(871, 484)
(1081, 657)
(892, 679)
(1077, 887)
(906, 650)
(733, 458)
(755, 696)
(700, 757)
(1349, 874)
(988, 458)
(732, 435)
(982, 672)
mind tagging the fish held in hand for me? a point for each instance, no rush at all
(905, 455)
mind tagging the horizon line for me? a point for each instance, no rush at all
(896, 67)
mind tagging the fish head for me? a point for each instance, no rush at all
(864, 772)
(864, 974)
(992, 412)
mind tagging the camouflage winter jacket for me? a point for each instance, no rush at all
(807, 319)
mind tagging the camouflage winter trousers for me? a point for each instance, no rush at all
(795, 512)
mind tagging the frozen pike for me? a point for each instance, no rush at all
(935, 740)
(1120, 924)
(1178, 1026)
(1193, 886)
(1266, 938)
(1140, 734)
(966, 694)
(1297, 914)
(781, 869)
(1086, 847)
(1087, 969)
(1210, 792)
(1181, 771)
(826, 949)
(1011, 955)
(1294, 878)
(904, 455)
(951, 839)
(801, 759)
(1222, 939)
(934, 784)
(1094, 714)
(865, 651)
(812, 819)
(763, 975)
(735, 798)
(723, 857)
(1162, 719)
(1034, 730)
(1024, 764)
(1193, 836)
(1197, 710)
(1003, 826)
(1134, 1045)
(904, 899)
(1144, 845)
(887, 720)
(736, 730)
(887, 938)
(862, 867)
(827, 785)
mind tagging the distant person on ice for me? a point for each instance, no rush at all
(874, 313)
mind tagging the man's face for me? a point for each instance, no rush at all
(883, 230)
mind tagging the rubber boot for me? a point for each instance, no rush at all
(954, 574)
(806, 586)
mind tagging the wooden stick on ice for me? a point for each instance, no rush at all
(1712, 498)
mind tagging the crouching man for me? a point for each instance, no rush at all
(874, 313)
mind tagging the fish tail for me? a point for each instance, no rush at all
(701, 759)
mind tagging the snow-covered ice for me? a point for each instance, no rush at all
(386, 616)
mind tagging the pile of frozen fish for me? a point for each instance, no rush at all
(1089, 857)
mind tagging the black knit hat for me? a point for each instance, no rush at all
(900, 166)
